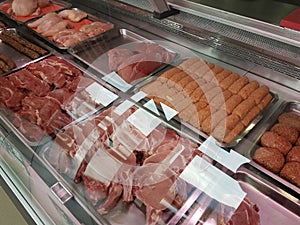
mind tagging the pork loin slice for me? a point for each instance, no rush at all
(246, 214)
(31, 131)
(153, 183)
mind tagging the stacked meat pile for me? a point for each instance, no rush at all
(139, 62)
(215, 100)
(22, 45)
(120, 163)
(281, 148)
(68, 27)
(6, 64)
(41, 94)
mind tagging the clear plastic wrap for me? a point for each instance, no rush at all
(152, 171)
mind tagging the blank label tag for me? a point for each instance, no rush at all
(231, 160)
(169, 112)
(100, 94)
(213, 182)
(151, 106)
(123, 107)
(138, 96)
(144, 121)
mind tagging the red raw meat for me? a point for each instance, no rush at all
(153, 183)
(116, 57)
(26, 80)
(10, 96)
(139, 65)
(114, 194)
(63, 66)
(154, 48)
(62, 95)
(246, 214)
(45, 112)
(144, 59)
(48, 73)
(153, 216)
(96, 190)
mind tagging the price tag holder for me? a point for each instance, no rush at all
(138, 96)
(100, 94)
(231, 160)
(144, 121)
(168, 111)
(123, 107)
(213, 182)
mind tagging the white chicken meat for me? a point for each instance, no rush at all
(27, 7)
(24, 7)
(73, 15)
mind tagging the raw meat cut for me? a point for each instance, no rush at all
(26, 80)
(117, 56)
(246, 214)
(41, 20)
(143, 59)
(57, 27)
(96, 28)
(24, 7)
(73, 15)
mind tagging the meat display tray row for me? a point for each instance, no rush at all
(121, 160)
(125, 161)
(145, 183)
(210, 99)
(46, 95)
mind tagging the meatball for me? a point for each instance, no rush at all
(273, 140)
(293, 155)
(270, 158)
(291, 172)
(284, 130)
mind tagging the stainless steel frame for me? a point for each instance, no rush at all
(199, 30)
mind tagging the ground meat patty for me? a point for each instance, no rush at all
(294, 155)
(290, 118)
(298, 142)
(273, 140)
(291, 172)
(270, 158)
(284, 130)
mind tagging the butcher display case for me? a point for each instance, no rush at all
(151, 112)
